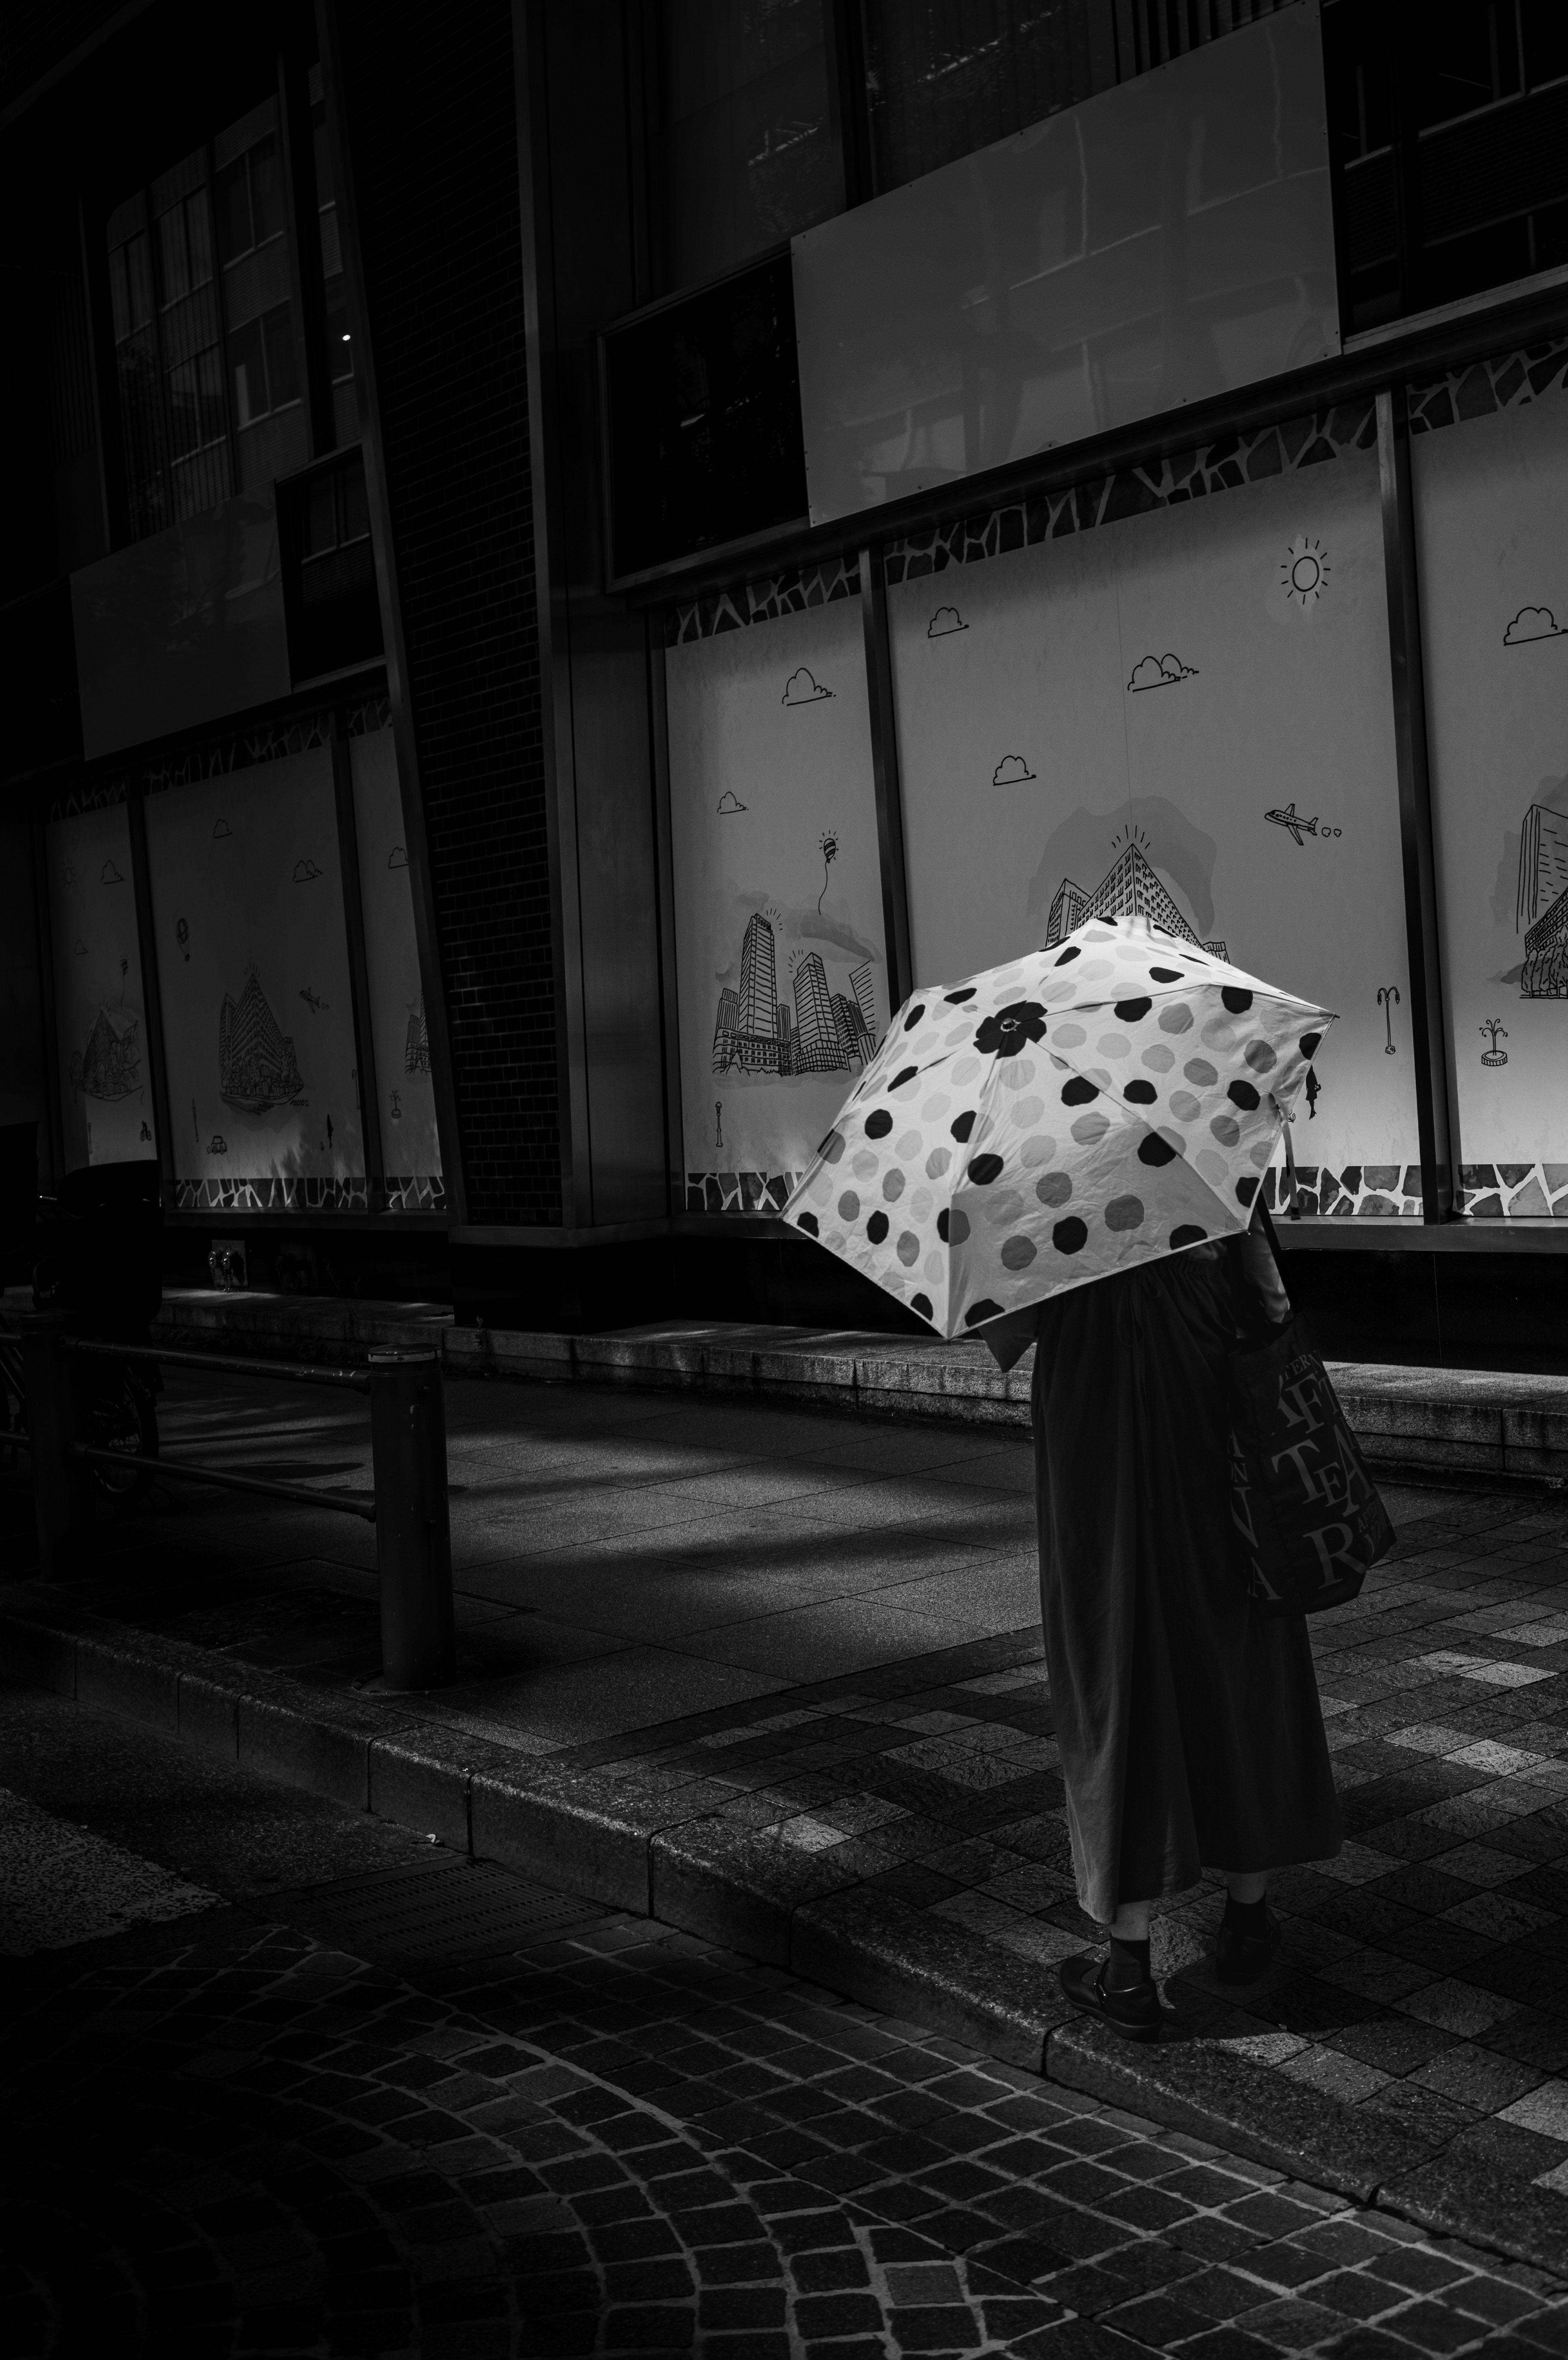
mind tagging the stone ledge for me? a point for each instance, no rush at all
(1462, 1424)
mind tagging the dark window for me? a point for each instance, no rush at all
(1451, 149)
(704, 420)
(250, 200)
(334, 614)
(743, 156)
(339, 338)
(946, 77)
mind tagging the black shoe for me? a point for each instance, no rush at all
(1134, 2013)
(1242, 1958)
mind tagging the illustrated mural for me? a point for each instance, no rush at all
(1160, 671)
(105, 1088)
(247, 895)
(410, 1142)
(1489, 496)
(782, 973)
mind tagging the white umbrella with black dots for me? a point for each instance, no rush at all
(1102, 1103)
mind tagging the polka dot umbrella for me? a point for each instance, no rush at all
(1085, 1109)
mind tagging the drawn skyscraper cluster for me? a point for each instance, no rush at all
(827, 1032)
(1543, 903)
(256, 1065)
(1129, 889)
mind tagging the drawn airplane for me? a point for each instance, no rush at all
(1289, 818)
(314, 1005)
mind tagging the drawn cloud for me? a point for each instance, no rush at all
(305, 872)
(802, 689)
(1533, 623)
(398, 857)
(729, 802)
(945, 619)
(220, 829)
(1011, 771)
(111, 874)
(1160, 672)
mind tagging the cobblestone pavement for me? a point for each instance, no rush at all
(422, 2107)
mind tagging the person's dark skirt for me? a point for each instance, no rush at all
(1189, 1729)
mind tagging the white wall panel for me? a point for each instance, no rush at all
(106, 1083)
(253, 965)
(1491, 498)
(770, 767)
(1259, 620)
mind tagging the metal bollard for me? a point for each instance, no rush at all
(57, 1416)
(413, 1537)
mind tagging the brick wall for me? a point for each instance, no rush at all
(431, 117)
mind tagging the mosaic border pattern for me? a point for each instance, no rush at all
(764, 602)
(1507, 381)
(100, 794)
(405, 1192)
(1356, 1192)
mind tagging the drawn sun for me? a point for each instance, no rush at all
(1305, 570)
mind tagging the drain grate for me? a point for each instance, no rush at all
(446, 1915)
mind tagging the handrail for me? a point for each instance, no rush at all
(303, 1373)
(191, 1474)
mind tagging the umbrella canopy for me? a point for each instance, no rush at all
(1096, 1105)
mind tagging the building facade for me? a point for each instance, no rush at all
(564, 558)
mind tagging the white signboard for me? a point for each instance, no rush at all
(783, 982)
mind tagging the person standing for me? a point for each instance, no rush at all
(1189, 1729)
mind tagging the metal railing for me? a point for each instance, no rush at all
(407, 1441)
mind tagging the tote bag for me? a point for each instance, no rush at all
(1308, 1520)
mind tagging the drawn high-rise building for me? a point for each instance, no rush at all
(861, 984)
(817, 1049)
(725, 1045)
(1543, 862)
(1129, 889)
(758, 981)
(785, 1024)
(854, 1038)
(256, 1065)
(1544, 975)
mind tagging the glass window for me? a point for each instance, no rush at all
(250, 200)
(234, 209)
(261, 354)
(196, 401)
(340, 348)
(744, 158)
(247, 359)
(1451, 151)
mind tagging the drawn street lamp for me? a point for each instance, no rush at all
(1493, 1055)
(1388, 1000)
(719, 1122)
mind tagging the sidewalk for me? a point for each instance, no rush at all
(772, 1676)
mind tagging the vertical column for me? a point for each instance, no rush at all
(885, 774)
(1428, 1042)
(54, 1159)
(358, 966)
(664, 860)
(152, 996)
(404, 738)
